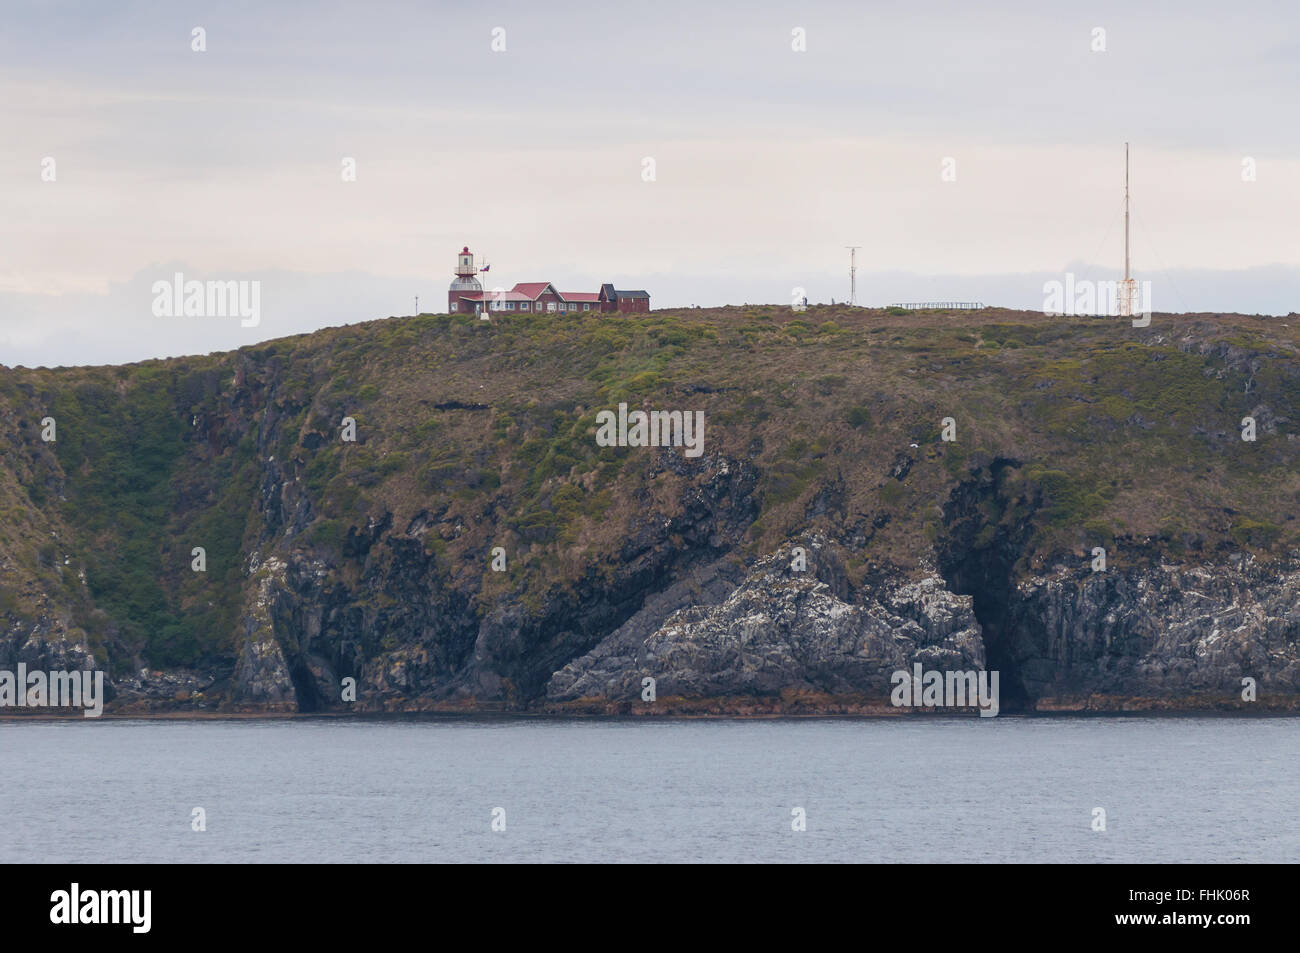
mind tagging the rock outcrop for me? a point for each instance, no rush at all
(261, 674)
(1163, 633)
(783, 630)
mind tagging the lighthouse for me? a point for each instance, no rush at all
(466, 295)
(465, 283)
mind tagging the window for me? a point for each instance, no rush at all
(586, 307)
(455, 306)
(550, 306)
(523, 306)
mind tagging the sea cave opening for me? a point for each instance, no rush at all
(986, 525)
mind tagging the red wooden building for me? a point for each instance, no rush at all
(612, 300)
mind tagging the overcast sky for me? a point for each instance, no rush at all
(226, 164)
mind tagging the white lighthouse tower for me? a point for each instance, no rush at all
(464, 283)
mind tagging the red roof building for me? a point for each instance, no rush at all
(466, 295)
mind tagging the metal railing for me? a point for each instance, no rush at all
(940, 305)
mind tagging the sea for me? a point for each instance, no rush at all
(1064, 789)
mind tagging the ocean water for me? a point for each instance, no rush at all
(1185, 789)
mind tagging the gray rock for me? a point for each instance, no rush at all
(1162, 631)
(780, 630)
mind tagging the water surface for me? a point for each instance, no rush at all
(1185, 789)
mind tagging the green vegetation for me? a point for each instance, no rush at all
(484, 432)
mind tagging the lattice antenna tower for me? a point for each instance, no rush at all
(1127, 287)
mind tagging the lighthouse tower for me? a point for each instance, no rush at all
(465, 283)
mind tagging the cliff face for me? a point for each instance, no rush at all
(474, 548)
(1163, 637)
(1165, 633)
(412, 638)
(783, 631)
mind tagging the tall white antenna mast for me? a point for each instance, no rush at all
(853, 273)
(1128, 287)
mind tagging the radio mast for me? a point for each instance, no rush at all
(853, 274)
(1127, 287)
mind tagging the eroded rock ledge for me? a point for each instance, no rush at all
(782, 630)
(770, 639)
(1163, 638)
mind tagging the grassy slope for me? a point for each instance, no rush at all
(1127, 438)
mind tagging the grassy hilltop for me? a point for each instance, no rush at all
(1070, 433)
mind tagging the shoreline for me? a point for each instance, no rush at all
(676, 714)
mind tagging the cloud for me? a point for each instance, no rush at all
(767, 161)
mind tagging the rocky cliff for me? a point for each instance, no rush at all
(789, 629)
(414, 514)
